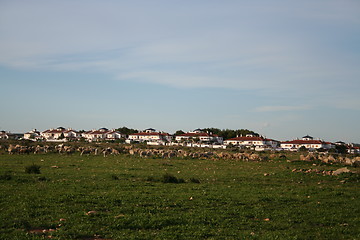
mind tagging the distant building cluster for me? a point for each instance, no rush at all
(196, 138)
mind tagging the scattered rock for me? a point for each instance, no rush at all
(36, 231)
(91, 213)
(41, 231)
(341, 170)
(317, 171)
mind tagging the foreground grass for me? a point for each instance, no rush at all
(122, 197)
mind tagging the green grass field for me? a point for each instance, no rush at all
(123, 197)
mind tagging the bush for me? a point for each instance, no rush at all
(6, 176)
(303, 149)
(151, 179)
(168, 178)
(43, 179)
(33, 169)
(114, 177)
(194, 180)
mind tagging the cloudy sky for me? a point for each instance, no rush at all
(284, 69)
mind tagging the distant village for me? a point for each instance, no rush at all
(195, 138)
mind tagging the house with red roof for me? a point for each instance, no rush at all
(4, 135)
(33, 135)
(102, 134)
(150, 135)
(308, 142)
(353, 150)
(253, 141)
(200, 136)
(59, 133)
(113, 135)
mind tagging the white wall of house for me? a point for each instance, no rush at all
(142, 137)
(245, 143)
(209, 138)
(309, 145)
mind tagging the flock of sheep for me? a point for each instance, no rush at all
(176, 153)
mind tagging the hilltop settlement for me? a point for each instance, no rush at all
(195, 138)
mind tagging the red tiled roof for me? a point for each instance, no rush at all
(349, 147)
(58, 131)
(248, 139)
(268, 139)
(31, 132)
(197, 135)
(150, 134)
(304, 142)
(96, 132)
(67, 131)
(113, 131)
(53, 131)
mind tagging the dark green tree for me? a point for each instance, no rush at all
(62, 136)
(341, 149)
(303, 149)
(179, 132)
(127, 131)
(229, 133)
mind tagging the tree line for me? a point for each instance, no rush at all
(224, 133)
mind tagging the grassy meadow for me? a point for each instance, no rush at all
(127, 197)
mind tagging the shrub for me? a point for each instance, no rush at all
(33, 169)
(180, 180)
(168, 178)
(6, 176)
(303, 149)
(114, 177)
(194, 180)
(43, 179)
(151, 179)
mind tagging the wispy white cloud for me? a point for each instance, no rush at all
(349, 102)
(277, 46)
(281, 108)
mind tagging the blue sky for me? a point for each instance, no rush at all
(284, 69)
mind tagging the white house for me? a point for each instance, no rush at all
(307, 142)
(150, 135)
(102, 134)
(351, 147)
(95, 135)
(113, 135)
(199, 135)
(33, 135)
(150, 130)
(59, 134)
(353, 150)
(252, 141)
(4, 135)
